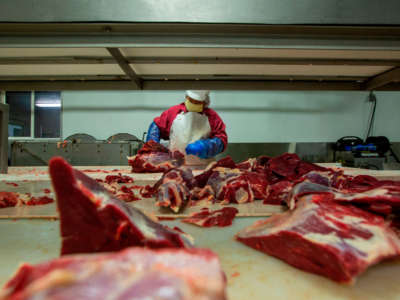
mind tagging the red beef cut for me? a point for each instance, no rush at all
(39, 200)
(257, 164)
(278, 192)
(154, 157)
(289, 166)
(382, 199)
(201, 179)
(173, 189)
(135, 273)
(236, 186)
(127, 194)
(8, 199)
(230, 186)
(92, 220)
(325, 238)
(206, 218)
(258, 184)
(118, 179)
(205, 195)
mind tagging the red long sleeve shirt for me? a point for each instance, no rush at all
(164, 122)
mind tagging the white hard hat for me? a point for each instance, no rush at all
(199, 95)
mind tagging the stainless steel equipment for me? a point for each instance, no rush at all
(80, 138)
(124, 137)
(98, 153)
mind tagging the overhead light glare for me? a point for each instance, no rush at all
(48, 104)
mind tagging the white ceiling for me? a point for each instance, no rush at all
(42, 62)
(256, 52)
(203, 52)
(252, 69)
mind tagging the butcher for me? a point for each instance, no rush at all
(191, 128)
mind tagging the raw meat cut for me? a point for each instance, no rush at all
(122, 192)
(118, 179)
(278, 192)
(202, 196)
(127, 194)
(288, 166)
(227, 182)
(10, 199)
(147, 191)
(236, 186)
(206, 218)
(230, 186)
(92, 220)
(39, 200)
(201, 179)
(362, 183)
(173, 189)
(257, 164)
(276, 175)
(382, 198)
(154, 157)
(324, 237)
(258, 184)
(314, 181)
(135, 273)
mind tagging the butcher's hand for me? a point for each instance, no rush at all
(206, 148)
(153, 133)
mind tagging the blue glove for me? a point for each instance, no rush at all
(153, 133)
(205, 148)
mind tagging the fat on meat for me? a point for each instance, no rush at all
(154, 157)
(134, 273)
(323, 237)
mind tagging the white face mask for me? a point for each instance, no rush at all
(194, 107)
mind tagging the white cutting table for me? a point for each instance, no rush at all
(251, 274)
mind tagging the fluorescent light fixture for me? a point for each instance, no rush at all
(48, 104)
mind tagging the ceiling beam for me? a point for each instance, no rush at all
(56, 60)
(62, 77)
(179, 85)
(200, 60)
(124, 65)
(263, 60)
(40, 29)
(383, 79)
(188, 34)
(185, 77)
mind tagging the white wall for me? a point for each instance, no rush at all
(250, 116)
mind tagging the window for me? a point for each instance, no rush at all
(34, 114)
(19, 123)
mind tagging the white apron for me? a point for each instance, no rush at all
(187, 128)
